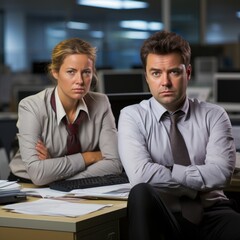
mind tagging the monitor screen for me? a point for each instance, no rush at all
(122, 81)
(226, 91)
(204, 69)
(40, 67)
(121, 100)
(8, 130)
(201, 93)
(21, 91)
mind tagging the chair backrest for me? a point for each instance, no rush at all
(4, 164)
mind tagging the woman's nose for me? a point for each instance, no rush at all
(79, 78)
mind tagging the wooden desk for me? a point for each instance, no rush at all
(100, 225)
(234, 185)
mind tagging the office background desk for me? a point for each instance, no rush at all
(104, 224)
(234, 185)
(107, 224)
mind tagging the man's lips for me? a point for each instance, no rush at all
(166, 93)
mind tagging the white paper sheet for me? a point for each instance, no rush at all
(119, 191)
(9, 187)
(43, 192)
(53, 207)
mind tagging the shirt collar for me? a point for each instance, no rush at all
(60, 112)
(159, 110)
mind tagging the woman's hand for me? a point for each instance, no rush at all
(92, 157)
(42, 151)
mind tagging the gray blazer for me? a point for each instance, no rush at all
(36, 119)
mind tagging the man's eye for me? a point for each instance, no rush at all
(175, 72)
(156, 74)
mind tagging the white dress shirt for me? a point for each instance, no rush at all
(145, 151)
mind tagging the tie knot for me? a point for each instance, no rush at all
(175, 116)
(72, 128)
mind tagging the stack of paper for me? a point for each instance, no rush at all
(118, 191)
(9, 186)
(10, 191)
(53, 207)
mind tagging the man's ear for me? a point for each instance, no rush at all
(145, 76)
(189, 71)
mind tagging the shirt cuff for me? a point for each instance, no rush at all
(178, 173)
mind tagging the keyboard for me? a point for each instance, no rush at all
(89, 182)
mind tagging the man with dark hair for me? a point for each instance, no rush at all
(178, 153)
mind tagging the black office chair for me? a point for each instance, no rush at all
(4, 163)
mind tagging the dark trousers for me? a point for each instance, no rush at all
(149, 218)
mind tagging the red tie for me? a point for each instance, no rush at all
(73, 143)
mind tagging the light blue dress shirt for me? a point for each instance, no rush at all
(145, 151)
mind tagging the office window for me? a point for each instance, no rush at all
(185, 19)
(118, 40)
(1, 39)
(117, 34)
(221, 29)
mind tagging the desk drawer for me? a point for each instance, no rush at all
(106, 231)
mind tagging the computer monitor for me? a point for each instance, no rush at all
(40, 67)
(201, 93)
(21, 91)
(8, 130)
(121, 81)
(120, 100)
(226, 91)
(204, 69)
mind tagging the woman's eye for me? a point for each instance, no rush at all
(87, 73)
(70, 72)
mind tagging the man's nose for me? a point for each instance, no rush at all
(165, 80)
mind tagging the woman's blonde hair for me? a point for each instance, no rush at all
(69, 47)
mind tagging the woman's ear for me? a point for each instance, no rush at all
(55, 74)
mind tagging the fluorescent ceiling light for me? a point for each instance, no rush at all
(142, 25)
(77, 25)
(56, 33)
(135, 35)
(97, 34)
(113, 4)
